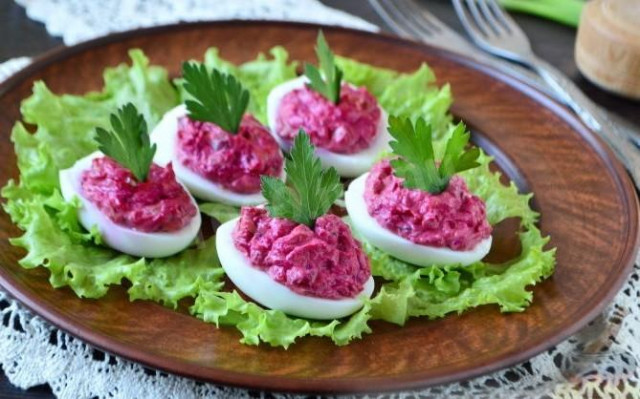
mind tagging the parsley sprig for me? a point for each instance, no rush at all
(329, 86)
(310, 191)
(128, 141)
(416, 163)
(217, 97)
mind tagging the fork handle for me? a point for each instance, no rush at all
(592, 115)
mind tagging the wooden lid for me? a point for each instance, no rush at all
(608, 45)
(626, 13)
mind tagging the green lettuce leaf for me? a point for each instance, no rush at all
(76, 258)
(168, 280)
(408, 95)
(146, 86)
(65, 126)
(66, 123)
(273, 326)
(502, 201)
(437, 291)
(87, 269)
(56, 241)
(38, 172)
(221, 212)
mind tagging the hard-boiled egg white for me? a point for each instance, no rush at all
(399, 247)
(263, 289)
(121, 238)
(165, 136)
(347, 165)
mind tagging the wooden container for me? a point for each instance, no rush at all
(608, 45)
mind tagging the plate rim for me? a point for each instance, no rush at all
(332, 385)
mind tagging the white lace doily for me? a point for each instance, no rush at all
(100, 17)
(602, 360)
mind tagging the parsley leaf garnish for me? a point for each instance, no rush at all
(128, 141)
(416, 162)
(310, 191)
(329, 87)
(217, 97)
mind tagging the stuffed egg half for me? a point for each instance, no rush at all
(285, 295)
(122, 238)
(234, 188)
(400, 247)
(338, 150)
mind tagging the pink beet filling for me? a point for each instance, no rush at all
(159, 204)
(324, 261)
(454, 219)
(347, 127)
(234, 161)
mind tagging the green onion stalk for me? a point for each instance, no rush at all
(566, 12)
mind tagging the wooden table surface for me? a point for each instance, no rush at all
(553, 42)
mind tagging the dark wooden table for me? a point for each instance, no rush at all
(24, 37)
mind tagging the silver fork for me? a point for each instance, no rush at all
(496, 32)
(411, 21)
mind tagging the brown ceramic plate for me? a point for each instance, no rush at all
(588, 206)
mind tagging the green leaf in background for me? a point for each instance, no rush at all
(564, 11)
(74, 257)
